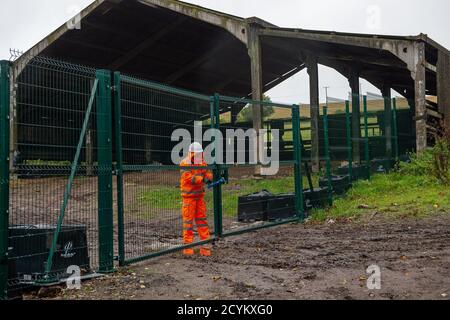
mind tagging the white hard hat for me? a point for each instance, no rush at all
(196, 148)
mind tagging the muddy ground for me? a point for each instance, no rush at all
(297, 262)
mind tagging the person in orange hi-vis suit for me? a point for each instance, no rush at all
(193, 194)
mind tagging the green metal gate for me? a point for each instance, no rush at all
(148, 192)
(149, 199)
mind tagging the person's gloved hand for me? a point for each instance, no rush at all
(213, 184)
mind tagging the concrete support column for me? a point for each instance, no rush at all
(412, 106)
(386, 92)
(255, 53)
(356, 114)
(443, 86)
(313, 72)
(419, 78)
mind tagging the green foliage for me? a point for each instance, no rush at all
(49, 163)
(246, 115)
(418, 165)
(441, 160)
(412, 190)
(432, 164)
(393, 195)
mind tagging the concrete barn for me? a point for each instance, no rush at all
(206, 51)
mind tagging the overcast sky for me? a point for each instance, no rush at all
(25, 22)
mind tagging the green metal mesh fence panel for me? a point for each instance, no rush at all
(51, 100)
(383, 139)
(314, 195)
(343, 163)
(260, 191)
(401, 132)
(404, 127)
(152, 201)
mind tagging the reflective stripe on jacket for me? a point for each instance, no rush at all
(192, 182)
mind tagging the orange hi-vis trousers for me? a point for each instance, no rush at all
(194, 212)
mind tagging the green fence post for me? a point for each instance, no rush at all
(4, 177)
(395, 129)
(119, 166)
(215, 124)
(104, 150)
(299, 203)
(327, 155)
(348, 127)
(366, 138)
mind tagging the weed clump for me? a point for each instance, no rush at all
(434, 163)
(441, 158)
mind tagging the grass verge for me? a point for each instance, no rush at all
(394, 195)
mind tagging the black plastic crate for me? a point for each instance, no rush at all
(359, 172)
(14, 287)
(253, 207)
(316, 199)
(281, 207)
(382, 165)
(340, 184)
(30, 246)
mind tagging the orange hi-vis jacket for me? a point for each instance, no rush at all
(193, 181)
(194, 206)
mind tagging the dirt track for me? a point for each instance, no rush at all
(298, 262)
